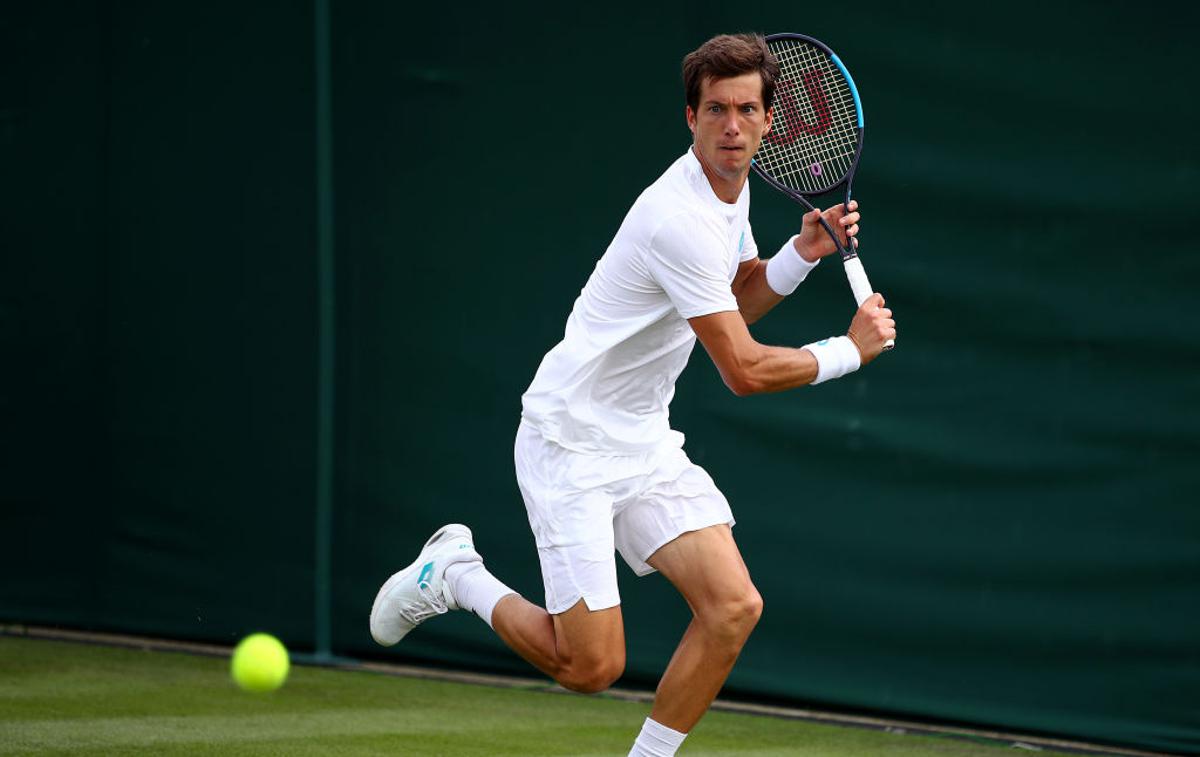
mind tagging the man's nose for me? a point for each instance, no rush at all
(731, 122)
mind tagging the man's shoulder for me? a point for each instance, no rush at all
(663, 190)
(673, 196)
(671, 217)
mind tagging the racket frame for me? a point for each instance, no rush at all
(855, 274)
(847, 251)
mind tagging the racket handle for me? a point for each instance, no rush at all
(861, 286)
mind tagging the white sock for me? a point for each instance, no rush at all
(656, 740)
(475, 589)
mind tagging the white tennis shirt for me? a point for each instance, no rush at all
(605, 388)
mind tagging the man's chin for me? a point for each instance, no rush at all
(729, 166)
(733, 169)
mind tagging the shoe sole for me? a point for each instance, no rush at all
(455, 530)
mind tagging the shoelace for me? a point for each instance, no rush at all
(417, 610)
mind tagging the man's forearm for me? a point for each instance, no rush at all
(774, 369)
(748, 367)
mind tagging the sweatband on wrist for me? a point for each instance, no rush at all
(787, 269)
(836, 356)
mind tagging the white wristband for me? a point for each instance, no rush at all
(836, 356)
(787, 269)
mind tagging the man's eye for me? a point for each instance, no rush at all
(714, 109)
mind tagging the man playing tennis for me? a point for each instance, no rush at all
(597, 463)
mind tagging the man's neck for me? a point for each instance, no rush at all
(726, 190)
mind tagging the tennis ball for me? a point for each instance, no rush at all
(260, 663)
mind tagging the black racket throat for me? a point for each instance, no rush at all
(847, 251)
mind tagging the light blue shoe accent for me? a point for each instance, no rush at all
(419, 591)
(426, 573)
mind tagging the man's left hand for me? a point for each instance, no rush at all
(813, 243)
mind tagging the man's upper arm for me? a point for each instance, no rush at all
(745, 270)
(730, 345)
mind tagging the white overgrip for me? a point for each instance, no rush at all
(861, 286)
(858, 280)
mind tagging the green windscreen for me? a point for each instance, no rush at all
(993, 524)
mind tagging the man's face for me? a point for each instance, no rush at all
(730, 124)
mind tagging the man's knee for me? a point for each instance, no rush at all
(591, 648)
(591, 676)
(733, 617)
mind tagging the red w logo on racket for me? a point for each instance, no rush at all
(788, 110)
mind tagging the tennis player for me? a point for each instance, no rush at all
(597, 463)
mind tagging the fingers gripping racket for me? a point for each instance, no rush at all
(816, 136)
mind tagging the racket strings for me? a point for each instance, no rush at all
(814, 138)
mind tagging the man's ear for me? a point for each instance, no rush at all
(770, 121)
(690, 115)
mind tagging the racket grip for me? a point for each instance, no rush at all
(861, 286)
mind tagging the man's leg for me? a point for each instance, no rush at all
(569, 500)
(580, 649)
(707, 569)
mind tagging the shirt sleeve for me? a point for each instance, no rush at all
(749, 246)
(690, 263)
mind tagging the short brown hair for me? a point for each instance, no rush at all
(726, 56)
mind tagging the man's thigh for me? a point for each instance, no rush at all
(591, 636)
(678, 497)
(705, 566)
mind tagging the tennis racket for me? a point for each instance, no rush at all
(816, 136)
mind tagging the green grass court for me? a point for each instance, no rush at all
(82, 699)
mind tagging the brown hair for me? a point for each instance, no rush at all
(726, 56)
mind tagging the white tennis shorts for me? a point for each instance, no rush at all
(582, 507)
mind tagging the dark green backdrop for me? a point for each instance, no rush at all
(994, 524)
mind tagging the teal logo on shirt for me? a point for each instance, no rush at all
(742, 242)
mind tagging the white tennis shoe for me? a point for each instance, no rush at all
(420, 591)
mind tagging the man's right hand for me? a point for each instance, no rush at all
(872, 327)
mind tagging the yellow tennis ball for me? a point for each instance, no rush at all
(260, 663)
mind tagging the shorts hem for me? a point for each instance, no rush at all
(594, 603)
